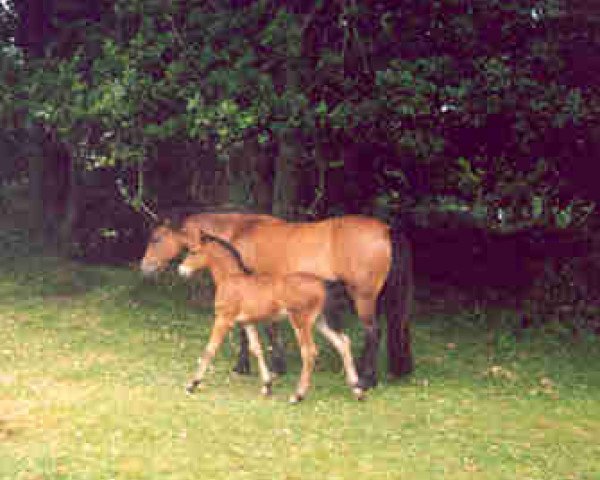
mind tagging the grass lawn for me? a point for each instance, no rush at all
(93, 361)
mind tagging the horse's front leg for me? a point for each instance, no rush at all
(278, 362)
(220, 329)
(243, 364)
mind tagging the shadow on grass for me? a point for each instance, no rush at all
(47, 276)
(28, 268)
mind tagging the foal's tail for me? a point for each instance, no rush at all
(398, 303)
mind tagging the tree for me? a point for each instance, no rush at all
(367, 105)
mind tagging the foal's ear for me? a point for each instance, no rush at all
(204, 237)
(194, 250)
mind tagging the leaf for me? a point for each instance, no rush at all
(321, 108)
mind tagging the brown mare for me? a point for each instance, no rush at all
(362, 252)
(246, 298)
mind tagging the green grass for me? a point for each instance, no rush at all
(93, 362)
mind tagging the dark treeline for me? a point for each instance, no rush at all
(477, 120)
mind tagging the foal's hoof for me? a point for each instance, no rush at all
(296, 398)
(190, 387)
(267, 389)
(359, 393)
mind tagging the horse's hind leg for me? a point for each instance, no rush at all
(220, 329)
(257, 351)
(335, 301)
(341, 343)
(278, 363)
(308, 352)
(366, 307)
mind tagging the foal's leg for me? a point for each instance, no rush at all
(308, 351)
(220, 329)
(341, 343)
(256, 350)
(366, 307)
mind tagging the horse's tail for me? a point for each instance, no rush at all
(398, 301)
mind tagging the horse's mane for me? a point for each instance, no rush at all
(177, 215)
(206, 238)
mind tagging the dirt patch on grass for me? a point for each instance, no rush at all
(14, 418)
(7, 380)
(43, 416)
(7, 430)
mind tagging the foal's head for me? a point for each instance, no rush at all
(195, 260)
(212, 252)
(164, 245)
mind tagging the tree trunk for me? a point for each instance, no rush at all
(285, 181)
(36, 203)
(261, 166)
(67, 222)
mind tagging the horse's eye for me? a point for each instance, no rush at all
(154, 239)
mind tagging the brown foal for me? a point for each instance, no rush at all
(248, 299)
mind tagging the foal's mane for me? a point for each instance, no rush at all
(207, 238)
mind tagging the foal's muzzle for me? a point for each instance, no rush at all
(185, 271)
(149, 268)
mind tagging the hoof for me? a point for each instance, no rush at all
(368, 381)
(267, 389)
(242, 368)
(295, 399)
(190, 387)
(359, 393)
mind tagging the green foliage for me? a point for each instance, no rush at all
(469, 93)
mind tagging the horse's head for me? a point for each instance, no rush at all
(164, 245)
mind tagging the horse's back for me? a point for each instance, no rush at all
(226, 225)
(351, 248)
(280, 247)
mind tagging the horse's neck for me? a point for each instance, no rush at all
(218, 225)
(227, 226)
